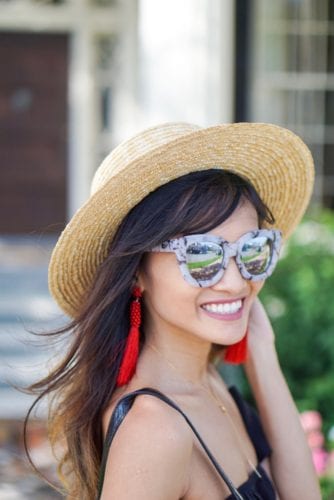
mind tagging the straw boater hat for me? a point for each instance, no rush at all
(275, 161)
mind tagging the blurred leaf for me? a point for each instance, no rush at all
(327, 488)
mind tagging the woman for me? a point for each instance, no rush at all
(160, 271)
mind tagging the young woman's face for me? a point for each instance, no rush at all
(174, 306)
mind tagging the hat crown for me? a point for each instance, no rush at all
(132, 149)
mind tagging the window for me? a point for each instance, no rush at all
(292, 77)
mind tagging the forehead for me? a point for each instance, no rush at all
(242, 220)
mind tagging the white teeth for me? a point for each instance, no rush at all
(227, 308)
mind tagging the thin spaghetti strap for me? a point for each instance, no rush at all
(122, 408)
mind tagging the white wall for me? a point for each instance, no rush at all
(186, 61)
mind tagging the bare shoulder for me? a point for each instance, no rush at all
(151, 415)
(152, 445)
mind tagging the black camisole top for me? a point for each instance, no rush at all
(258, 485)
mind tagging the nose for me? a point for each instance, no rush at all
(231, 282)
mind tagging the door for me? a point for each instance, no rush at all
(33, 132)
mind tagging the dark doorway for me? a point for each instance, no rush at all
(242, 58)
(33, 132)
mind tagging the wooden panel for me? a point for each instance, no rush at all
(33, 132)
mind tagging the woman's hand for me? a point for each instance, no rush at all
(260, 332)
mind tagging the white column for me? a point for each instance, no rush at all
(187, 61)
(125, 77)
(82, 122)
(220, 61)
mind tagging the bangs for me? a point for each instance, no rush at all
(193, 203)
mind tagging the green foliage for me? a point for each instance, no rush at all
(327, 488)
(299, 299)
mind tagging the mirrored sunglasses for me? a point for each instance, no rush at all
(203, 258)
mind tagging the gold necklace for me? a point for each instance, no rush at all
(209, 390)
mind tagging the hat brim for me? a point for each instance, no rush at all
(276, 162)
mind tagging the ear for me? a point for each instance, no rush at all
(139, 280)
(142, 276)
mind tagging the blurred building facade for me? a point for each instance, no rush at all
(81, 75)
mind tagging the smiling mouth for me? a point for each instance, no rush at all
(223, 308)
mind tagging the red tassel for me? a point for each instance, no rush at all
(237, 353)
(131, 351)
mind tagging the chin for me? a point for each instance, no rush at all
(225, 339)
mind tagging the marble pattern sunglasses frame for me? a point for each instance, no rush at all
(179, 247)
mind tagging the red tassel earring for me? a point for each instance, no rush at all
(131, 351)
(237, 353)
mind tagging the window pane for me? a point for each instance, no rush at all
(306, 9)
(330, 108)
(331, 53)
(329, 159)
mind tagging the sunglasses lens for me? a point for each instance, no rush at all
(204, 260)
(256, 254)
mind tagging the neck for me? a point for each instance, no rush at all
(174, 361)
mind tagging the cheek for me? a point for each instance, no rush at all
(160, 276)
(165, 290)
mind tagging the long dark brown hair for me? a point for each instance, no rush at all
(82, 385)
